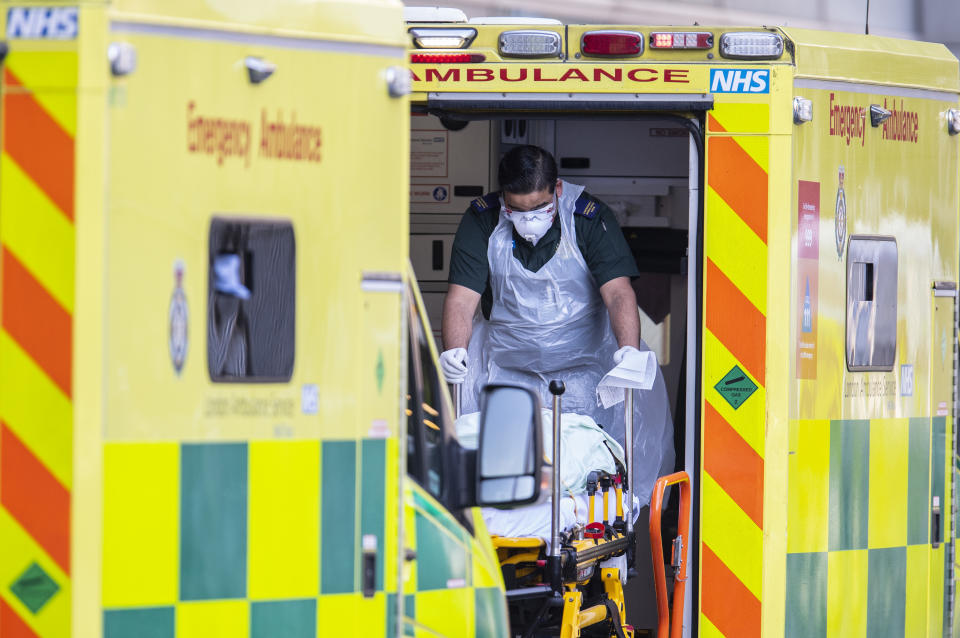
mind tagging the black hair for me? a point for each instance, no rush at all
(527, 169)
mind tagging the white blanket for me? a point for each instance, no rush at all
(534, 520)
(584, 448)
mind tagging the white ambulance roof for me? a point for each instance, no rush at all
(433, 14)
(369, 21)
(871, 59)
(513, 20)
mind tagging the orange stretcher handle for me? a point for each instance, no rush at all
(656, 548)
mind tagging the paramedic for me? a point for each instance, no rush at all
(550, 270)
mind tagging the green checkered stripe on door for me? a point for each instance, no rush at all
(224, 514)
(860, 558)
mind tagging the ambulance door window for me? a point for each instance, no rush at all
(251, 300)
(871, 303)
(425, 429)
(414, 432)
(432, 422)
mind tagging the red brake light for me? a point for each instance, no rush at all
(446, 58)
(612, 43)
(681, 40)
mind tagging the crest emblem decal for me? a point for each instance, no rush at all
(178, 319)
(840, 216)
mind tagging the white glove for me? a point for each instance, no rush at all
(454, 364)
(626, 352)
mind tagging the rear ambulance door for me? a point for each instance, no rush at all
(737, 192)
(38, 274)
(942, 369)
(953, 564)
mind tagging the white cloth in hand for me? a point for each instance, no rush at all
(634, 369)
(623, 353)
(453, 362)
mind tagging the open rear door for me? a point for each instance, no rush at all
(734, 271)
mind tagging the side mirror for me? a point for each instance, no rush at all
(510, 446)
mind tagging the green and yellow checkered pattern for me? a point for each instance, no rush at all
(214, 539)
(860, 559)
(263, 539)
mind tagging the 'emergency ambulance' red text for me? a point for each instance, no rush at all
(281, 138)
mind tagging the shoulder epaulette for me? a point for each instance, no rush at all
(586, 206)
(487, 202)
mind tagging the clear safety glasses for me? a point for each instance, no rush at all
(544, 213)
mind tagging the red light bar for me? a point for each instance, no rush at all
(681, 40)
(446, 58)
(612, 43)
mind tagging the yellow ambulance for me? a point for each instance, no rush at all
(209, 342)
(791, 199)
(220, 410)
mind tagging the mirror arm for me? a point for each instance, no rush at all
(463, 477)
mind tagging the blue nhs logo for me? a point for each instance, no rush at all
(739, 80)
(42, 23)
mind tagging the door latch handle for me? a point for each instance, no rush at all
(409, 554)
(935, 523)
(369, 542)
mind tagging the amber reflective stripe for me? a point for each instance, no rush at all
(35, 498)
(37, 322)
(740, 181)
(713, 125)
(36, 299)
(733, 464)
(737, 612)
(38, 144)
(736, 322)
(10, 624)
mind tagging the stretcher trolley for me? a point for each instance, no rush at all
(573, 585)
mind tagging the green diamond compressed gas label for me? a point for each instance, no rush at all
(34, 588)
(736, 387)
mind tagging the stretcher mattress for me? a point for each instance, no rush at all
(584, 448)
(534, 520)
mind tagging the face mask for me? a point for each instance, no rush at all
(531, 225)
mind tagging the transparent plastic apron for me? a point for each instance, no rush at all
(550, 320)
(553, 324)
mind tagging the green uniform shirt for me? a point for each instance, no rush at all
(598, 236)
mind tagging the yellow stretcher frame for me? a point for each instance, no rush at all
(565, 575)
(516, 551)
